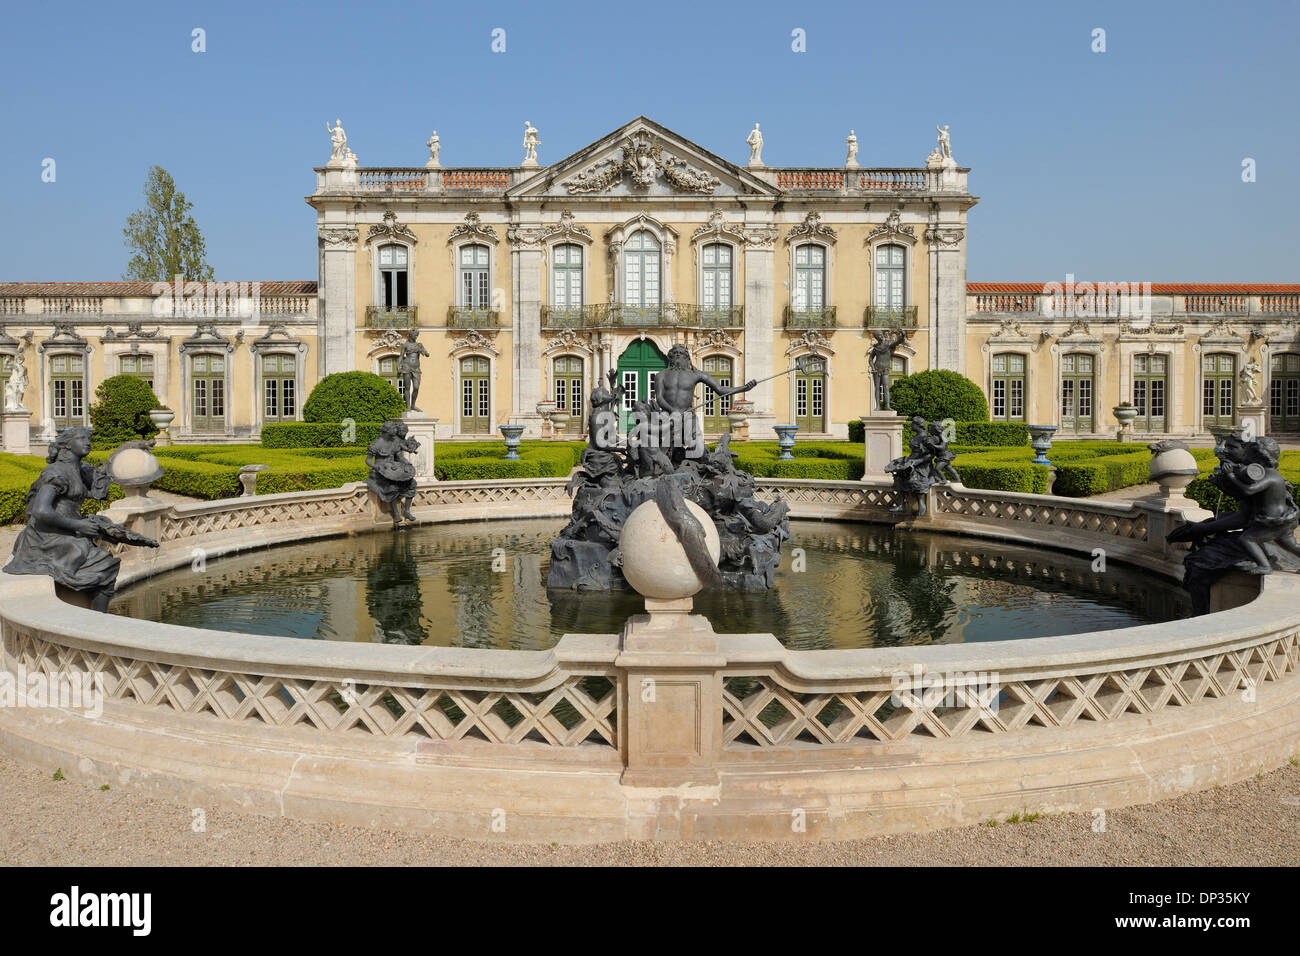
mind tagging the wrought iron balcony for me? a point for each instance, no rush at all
(823, 318)
(381, 317)
(461, 318)
(890, 318)
(607, 315)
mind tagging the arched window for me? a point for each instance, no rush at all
(810, 278)
(207, 392)
(475, 395)
(717, 406)
(566, 269)
(1077, 390)
(475, 278)
(715, 283)
(68, 390)
(1150, 390)
(641, 270)
(1008, 386)
(1284, 393)
(1218, 373)
(890, 292)
(279, 387)
(141, 366)
(395, 285)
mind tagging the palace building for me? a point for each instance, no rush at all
(529, 284)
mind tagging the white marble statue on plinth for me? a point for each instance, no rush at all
(435, 146)
(852, 142)
(755, 141)
(531, 142)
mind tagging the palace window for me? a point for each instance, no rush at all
(1077, 390)
(208, 392)
(717, 406)
(1284, 393)
(1218, 374)
(279, 388)
(715, 284)
(1008, 387)
(809, 278)
(388, 372)
(1150, 391)
(68, 390)
(393, 260)
(890, 286)
(475, 395)
(475, 277)
(566, 269)
(567, 375)
(641, 270)
(141, 366)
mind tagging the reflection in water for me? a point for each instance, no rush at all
(863, 586)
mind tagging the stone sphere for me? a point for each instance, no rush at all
(654, 561)
(1174, 467)
(134, 466)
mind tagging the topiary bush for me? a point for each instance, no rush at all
(121, 410)
(937, 394)
(360, 396)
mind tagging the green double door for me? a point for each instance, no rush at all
(638, 366)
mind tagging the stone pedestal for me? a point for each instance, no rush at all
(1252, 417)
(882, 435)
(15, 434)
(672, 733)
(422, 428)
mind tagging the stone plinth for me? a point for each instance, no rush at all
(882, 436)
(670, 696)
(15, 435)
(422, 428)
(1252, 417)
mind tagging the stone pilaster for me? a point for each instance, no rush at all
(526, 363)
(947, 248)
(337, 298)
(760, 330)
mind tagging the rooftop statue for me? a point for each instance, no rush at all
(755, 141)
(531, 142)
(928, 462)
(1259, 537)
(57, 540)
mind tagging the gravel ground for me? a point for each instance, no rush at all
(60, 823)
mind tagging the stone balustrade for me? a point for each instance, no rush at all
(1121, 300)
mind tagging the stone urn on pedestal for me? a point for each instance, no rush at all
(546, 409)
(1124, 413)
(511, 434)
(1040, 440)
(558, 421)
(738, 416)
(162, 418)
(785, 440)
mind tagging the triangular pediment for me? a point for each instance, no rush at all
(641, 159)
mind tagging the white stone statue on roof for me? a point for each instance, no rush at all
(755, 141)
(852, 141)
(435, 146)
(531, 142)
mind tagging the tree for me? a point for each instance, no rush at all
(164, 236)
(936, 394)
(121, 411)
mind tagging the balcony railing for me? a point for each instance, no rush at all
(1006, 302)
(72, 305)
(461, 318)
(823, 318)
(607, 315)
(1279, 302)
(824, 180)
(890, 318)
(1217, 304)
(380, 317)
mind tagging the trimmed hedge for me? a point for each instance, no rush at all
(996, 434)
(318, 435)
(360, 396)
(121, 410)
(469, 461)
(17, 472)
(993, 472)
(939, 393)
(837, 461)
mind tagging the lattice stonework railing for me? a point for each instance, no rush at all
(760, 713)
(578, 712)
(1132, 526)
(234, 515)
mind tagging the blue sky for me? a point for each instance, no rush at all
(1123, 165)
